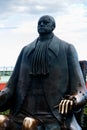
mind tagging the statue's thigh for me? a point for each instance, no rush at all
(52, 126)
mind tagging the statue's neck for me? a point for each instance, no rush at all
(46, 36)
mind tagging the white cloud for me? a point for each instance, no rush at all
(9, 7)
(18, 24)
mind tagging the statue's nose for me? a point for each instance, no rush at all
(41, 23)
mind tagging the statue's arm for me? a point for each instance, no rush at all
(76, 96)
(9, 89)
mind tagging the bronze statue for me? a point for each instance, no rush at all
(47, 86)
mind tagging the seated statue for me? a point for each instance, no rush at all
(46, 87)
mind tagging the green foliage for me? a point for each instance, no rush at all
(85, 117)
(5, 112)
(85, 110)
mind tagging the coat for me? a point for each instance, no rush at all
(65, 77)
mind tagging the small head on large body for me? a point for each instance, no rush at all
(46, 25)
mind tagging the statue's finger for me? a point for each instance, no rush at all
(63, 106)
(60, 106)
(71, 105)
(67, 106)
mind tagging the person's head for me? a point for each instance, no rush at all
(46, 24)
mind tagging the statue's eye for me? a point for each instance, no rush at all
(46, 22)
(43, 22)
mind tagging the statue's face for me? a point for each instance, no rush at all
(45, 25)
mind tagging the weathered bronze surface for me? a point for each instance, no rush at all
(47, 84)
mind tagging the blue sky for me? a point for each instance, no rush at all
(18, 25)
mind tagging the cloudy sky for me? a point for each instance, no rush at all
(18, 25)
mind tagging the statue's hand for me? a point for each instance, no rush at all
(2, 97)
(72, 102)
(1, 94)
(66, 105)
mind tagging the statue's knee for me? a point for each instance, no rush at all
(30, 123)
(3, 121)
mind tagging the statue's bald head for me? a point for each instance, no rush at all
(46, 24)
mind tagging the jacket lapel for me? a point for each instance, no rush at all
(31, 47)
(54, 46)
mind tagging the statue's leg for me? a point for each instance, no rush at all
(33, 124)
(30, 124)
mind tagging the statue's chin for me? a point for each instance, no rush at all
(41, 31)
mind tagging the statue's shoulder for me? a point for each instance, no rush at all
(61, 42)
(64, 45)
(32, 44)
